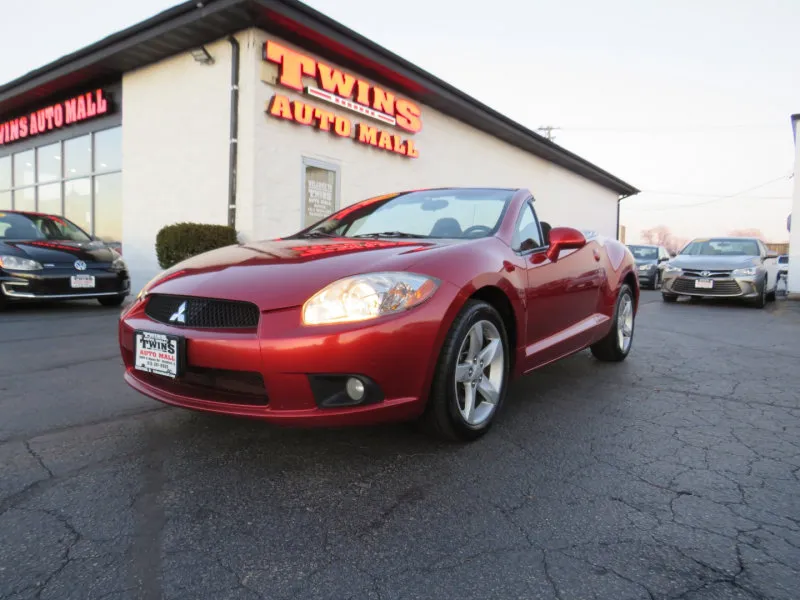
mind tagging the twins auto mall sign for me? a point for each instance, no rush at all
(345, 91)
(73, 110)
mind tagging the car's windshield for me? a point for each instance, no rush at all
(644, 252)
(31, 227)
(441, 213)
(722, 247)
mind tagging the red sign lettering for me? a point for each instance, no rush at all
(301, 113)
(294, 66)
(72, 110)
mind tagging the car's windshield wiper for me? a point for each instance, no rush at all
(318, 233)
(402, 234)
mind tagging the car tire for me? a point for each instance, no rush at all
(111, 300)
(617, 343)
(761, 301)
(669, 297)
(448, 414)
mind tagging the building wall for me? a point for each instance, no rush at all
(450, 153)
(176, 121)
(794, 235)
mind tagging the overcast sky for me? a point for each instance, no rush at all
(688, 100)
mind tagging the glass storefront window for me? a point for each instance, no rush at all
(24, 173)
(48, 163)
(50, 198)
(108, 207)
(79, 178)
(78, 156)
(108, 150)
(5, 173)
(78, 202)
(25, 199)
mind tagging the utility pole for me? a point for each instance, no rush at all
(547, 131)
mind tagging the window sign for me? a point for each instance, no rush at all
(320, 191)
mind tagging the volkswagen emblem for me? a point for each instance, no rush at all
(179, 316)
(80, 265)
(705, 273)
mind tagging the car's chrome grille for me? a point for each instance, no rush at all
(201, 313)
(706, 274)
(722, 287)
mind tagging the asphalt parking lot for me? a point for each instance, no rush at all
(673, 475)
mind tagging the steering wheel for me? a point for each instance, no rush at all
(479, 229)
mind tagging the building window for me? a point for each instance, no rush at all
(320, 191)
(79, 178)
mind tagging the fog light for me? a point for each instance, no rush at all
(355, 388)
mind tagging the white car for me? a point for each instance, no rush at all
(783, 265)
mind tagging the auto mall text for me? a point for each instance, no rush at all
(73, 110)
(344, 91)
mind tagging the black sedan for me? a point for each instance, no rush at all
(46, 257)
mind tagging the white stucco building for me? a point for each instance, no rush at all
(266, 115)
(794, 233)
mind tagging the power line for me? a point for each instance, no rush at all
(696, 195)
(676, 129)
(718, 198)
(547, 131)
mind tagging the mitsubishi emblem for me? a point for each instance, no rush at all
(80, 265)
(179, 316)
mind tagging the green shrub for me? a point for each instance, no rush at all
(175, 243)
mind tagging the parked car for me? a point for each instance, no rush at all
(650, 261)
(729, 267)
(48, 257)
(414, 305)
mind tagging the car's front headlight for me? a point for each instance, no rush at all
(367, 296)
(746, 272)
(645, 267)
(672, 270)
(15, 263)
(118, 264)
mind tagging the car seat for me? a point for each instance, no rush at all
(22, 232)
(446, 227)
(545, 232)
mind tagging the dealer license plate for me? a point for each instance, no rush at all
(82, 281)
(158, 353)
(704, 284)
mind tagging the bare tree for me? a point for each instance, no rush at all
(755, 233)
(661, 235)
(657, 235)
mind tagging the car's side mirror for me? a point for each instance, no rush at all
(564, 238)
(663, 259)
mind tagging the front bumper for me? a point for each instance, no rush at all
(284, 371)
(722, 287)
(56, 284)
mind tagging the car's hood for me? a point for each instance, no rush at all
(714, 263)
(284, 273)
(59, 252)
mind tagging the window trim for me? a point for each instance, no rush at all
(528, 203)
(307, 161)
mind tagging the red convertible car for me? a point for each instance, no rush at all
(420, 305)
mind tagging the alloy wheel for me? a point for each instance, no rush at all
(479, 373)
(625, 322)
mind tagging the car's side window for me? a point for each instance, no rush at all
(527, 235)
